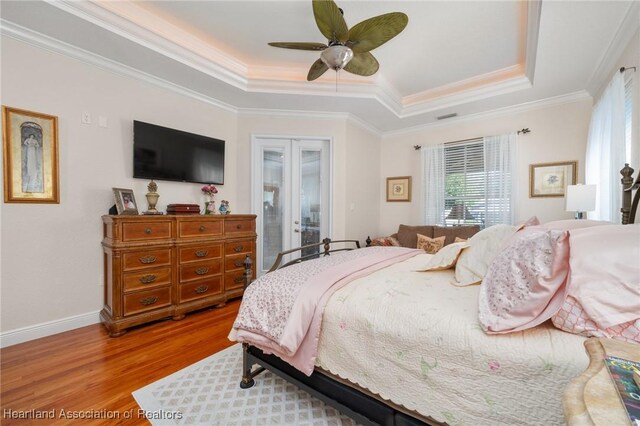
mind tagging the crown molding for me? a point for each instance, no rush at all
(517, 81)
(25, 35)
(603, 71)
(578, 96)
(128, 20)
(134, 23)
(534, 9)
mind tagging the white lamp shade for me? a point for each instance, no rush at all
(581, 198)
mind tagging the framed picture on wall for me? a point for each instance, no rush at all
(551, 179)
(399, 188)
(30, 147)
(125, 201)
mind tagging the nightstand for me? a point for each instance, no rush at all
(592, 398)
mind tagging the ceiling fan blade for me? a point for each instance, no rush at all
(330, 21)
(299, 45)
(374, 32)
(362, 64)
(317, 69)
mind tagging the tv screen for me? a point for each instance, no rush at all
(169, 154)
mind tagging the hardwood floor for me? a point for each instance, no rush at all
(84, 370)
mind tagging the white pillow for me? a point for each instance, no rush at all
(474, 261)
(445, 258)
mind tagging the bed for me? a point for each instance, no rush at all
(401, 347)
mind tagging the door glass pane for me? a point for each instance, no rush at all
(310, 199)
(272, 198)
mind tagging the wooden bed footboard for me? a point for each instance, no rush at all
(629, 198)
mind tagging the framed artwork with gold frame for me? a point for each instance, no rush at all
(551, 179)
(30, 147)
(399, 188)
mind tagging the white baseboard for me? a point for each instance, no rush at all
(24, 334)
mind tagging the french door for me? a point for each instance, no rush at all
(291, 188)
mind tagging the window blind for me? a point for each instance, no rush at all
(465, 183)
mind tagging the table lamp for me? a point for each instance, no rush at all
(581, 199)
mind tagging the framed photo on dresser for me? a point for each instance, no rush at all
(125, 201)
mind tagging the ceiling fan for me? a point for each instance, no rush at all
(347, 49)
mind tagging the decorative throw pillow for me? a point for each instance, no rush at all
(526, 282)
(430, 245)
(532, 221)
(445, 258)
(385, 241)
(483, 247)
(460, 240)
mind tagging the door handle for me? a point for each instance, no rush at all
(297, 222)
(296, 230)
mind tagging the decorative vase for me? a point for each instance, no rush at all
(210, 207)
(152, 198)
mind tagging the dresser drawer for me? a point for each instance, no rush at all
(199, 228)
(201, 288)
(140, 231)
(197, 253)
(146, 300)
(239, 246)
(146, 259)
(196, 271)
(236, 261)
(147, 279)
(240, 226)
(233, 280)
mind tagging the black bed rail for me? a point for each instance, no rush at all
(326, 245)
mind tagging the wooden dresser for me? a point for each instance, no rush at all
(164, 266)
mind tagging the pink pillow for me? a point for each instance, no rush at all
(605, 273)
(569, 224)
(573, 319)
(526, 283)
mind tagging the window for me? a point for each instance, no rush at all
(465, 192)
(470, 182)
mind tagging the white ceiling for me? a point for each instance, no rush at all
(454, 56)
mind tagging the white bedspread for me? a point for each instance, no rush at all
(415, 340)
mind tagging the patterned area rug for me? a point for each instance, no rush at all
(208, 393)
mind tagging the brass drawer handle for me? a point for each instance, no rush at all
(146, 301)
(202, 253)
(238, 249)
(201, 271)
(147, 279)
(239, 226)
(202, 228)
(148, 259)
(239, 263)
(147, 231)
(201, 289)
(239, 280)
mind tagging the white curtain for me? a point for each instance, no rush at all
(606, 151)
(434, 184)
(500, 178)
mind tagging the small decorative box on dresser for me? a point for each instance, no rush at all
(161, 266)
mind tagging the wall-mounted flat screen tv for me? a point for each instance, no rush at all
(169, 154)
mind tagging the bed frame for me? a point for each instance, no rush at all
(354, 402)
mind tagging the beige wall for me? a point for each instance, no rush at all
(558, 133)
(362, 201)
(51, 271)
(52, 260)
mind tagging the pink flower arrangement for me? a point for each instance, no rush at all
(209, 189)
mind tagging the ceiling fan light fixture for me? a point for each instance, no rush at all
(336, 57)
